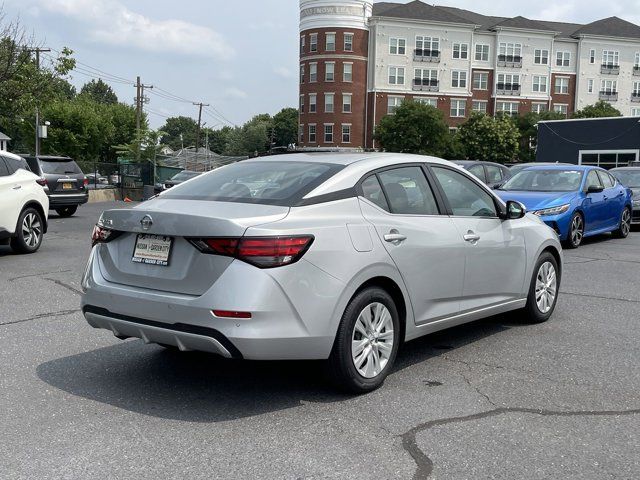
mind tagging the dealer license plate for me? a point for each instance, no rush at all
(152, 249)
(67, 186)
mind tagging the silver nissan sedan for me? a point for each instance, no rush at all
(339, 257)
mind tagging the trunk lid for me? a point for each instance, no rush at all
(189, 271)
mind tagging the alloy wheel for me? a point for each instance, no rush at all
(372, 340)
(546, 287)
(577, 230)
(625, 224)
(31, 230)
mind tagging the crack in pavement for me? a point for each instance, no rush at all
(40, 316)
(13, 279)
(602, 297)
(64, 285)
(425, 464)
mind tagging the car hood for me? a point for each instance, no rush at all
(538, 200)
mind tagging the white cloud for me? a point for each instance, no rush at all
(234, 92)
(110, 22)
(283, 72)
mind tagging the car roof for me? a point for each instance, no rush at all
(11, 155)
(49, 157)
(348, 158)
(476, 162)
(581, 168)
(625, 169)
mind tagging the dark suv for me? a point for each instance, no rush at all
(63, 182)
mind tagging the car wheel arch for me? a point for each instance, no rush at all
(35, 205)
(556, 254)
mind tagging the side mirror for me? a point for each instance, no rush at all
(497, 186)
(595, 189)
(515, 210)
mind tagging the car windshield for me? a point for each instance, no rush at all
(544, 181)
(59, 167)
(184, 176)
(628, 178)
(265, 182)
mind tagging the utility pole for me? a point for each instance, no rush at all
(140, 101)
(37, 51)
(200, 105)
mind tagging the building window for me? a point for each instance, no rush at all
(313, 42)
(313, 101)
(329, 71)
(301, 103)
(482, 52)
(635, 112)
(590, 85)
(347, 72)
(541, 57)
(610, 58)
(540, 83)
(427, 46)
(346, 133)
(480, 81)
(393, 103)
(539, 108)
(396, 75)
(397, 46)
(508, 108)
(348, 42)
(301, 133)
(563, 59)
(301, 73)
(562, 85)
(303, 39)
(636, 89)
(561, 108)
(458, 108)
(479, 106)
(609, 87)
(328, 133)
(330, 42)
(426, 78)
(636, 62)
(458, 79)
(313, 72)
(461, 51)
(312, 133)
(510, 52)
(432, 102)
(328, 102)
(346, 103)
(508, 83)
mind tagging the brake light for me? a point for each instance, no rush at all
(85, 182)
(230, 314)
(101, 234)
(42, 181)
(262, 252)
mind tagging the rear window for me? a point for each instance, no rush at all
(184, 176)
(265, 182)
(59, 167)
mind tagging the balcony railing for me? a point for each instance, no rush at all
(636, 71)
(609, 95)
(514, 61)
(635, 97)
(426, 84)
(422, 55)
(610, 69)
(508, 89)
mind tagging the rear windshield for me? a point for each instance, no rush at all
(628, 178)
(265, 182)
(544, 181)
(184, 176)
(59, 167)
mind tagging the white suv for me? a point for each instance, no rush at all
(24, 205)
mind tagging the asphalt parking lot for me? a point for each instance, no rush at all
(493, 399)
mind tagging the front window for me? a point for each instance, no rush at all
(272, 183)
(609, 86)
(328, 133)
(348, 42)
(461, 51)
(397, 46)
(313, 102)
(313, 72)
(508, 82)
(313, 42)
(563, 59)
(330, 45)
(540, 84)
(328, 102)
(459, 79)
(465, 197)
(329, 73)
(346, 102)
(510, 52)
(427, 46)
(396, 75)
(482, 53)
(592, 56)
(552, 180)
(562, 85)
(346, 133)
(347, 72)
(541, 57)
(423, 76)
(312, 133)
(458, 108)
(610, 58)
(480, 81)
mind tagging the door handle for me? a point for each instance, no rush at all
(394, 237)
(16, 187)
(471, 237)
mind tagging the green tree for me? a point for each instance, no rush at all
(179, 131)
(527, 126)
(252, 138)
(150, 146)
(490, 138)
(414, 128)
(598, 110)
(99, 92)
(218, 139)
(285, 127)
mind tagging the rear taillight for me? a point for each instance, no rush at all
(102, 235)
(42, 181)
(263, 252)
(85, 182)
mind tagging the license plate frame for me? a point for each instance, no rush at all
(152, 249)
(67, 186)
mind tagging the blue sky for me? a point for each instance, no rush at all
(238, 55)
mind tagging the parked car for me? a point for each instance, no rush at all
(344, 257)
(576, 201)
(630, 178)
(178, 178)
(518, 167)
(97, 179)
(63, 182)
(24, 205)
(492, 174)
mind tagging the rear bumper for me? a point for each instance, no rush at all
(296, 325)
(635, 219)
(67, 199)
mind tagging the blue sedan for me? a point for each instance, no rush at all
(576, 201)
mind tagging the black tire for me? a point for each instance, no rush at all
(66, 211)
(532, 313)
(29, 232)
(342, 369)
(625, 224)
(576, 231)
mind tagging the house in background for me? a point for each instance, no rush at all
(4, 142)
(605, 142)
